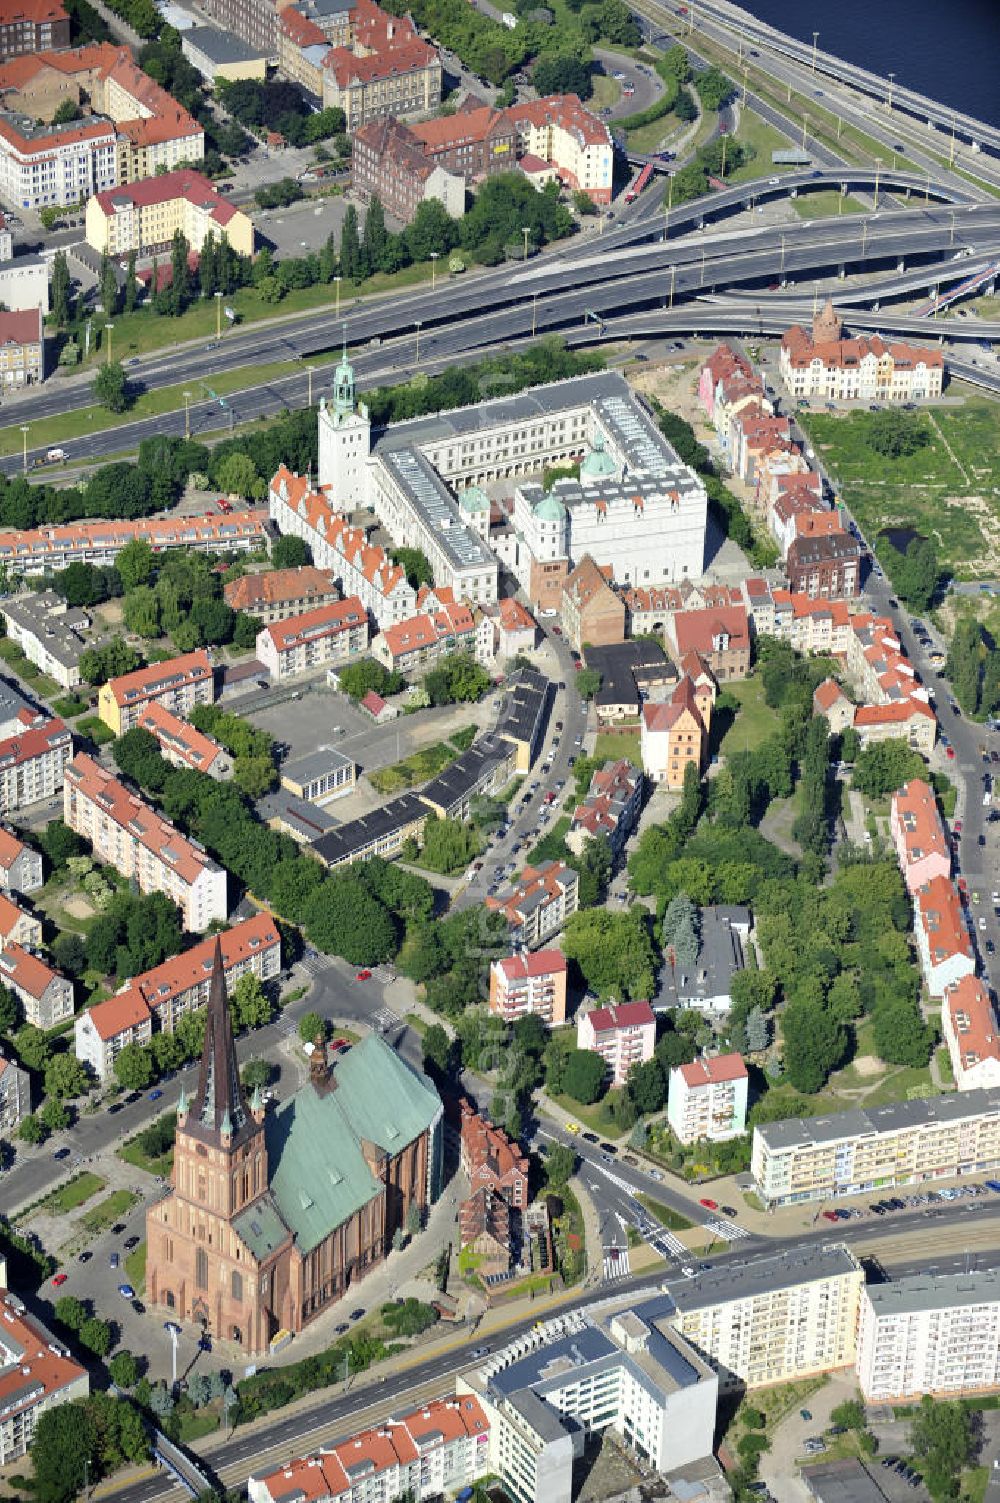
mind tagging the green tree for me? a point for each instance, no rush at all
(256, 1072)
(136, 563)
(563, 74)
(8, 1009)
(65, 1076)
(895, 434)
(647, 1086)
(814, 1045)
(714, 88)
(560, 1165)
(31, 1129)
(312, 1027)
(95, 1335)
(900, 1034)
(343, 918)
(942, 1443)
(111, 386)
(884, 766)
(66, 111)
(850, 1414)
(588, 681)
(134, 1067)
(376, 238)
(290, 552)
(131, 285)
(141, 612)
(59, 289)
(108, 284)
(55, 1114)
(63, 1447)
(33, 1047)
(583, 1076)
(351, 260)
(438, 1049)
(250, 1003)
(613, 951)
(964, 664)
(70, 1312)
(237, 474)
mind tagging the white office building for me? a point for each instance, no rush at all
(932, 1333)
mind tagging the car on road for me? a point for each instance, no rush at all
(609, 1148)
(480, 1351)
(126, 1291)
(358, 1314)
(572, 1127)
(730, 1211)
(364, 975)
(710, 1205)
(829, 1215)
(116, 1106)
(112, 1260)
(85, 1256)
(805, 1415)
(61, 1153)
(138, 1307)
(155, 1095)
(118, 1228)
(60, 1279)
(131, 1242)
(339, 1330)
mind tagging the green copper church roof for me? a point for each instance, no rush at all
(550, 509)
(318, 1173)
(598, 464)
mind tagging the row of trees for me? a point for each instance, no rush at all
(973, 666)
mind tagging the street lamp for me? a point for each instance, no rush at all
(417, 355)
(173, 1330)
(815, 40)
(951, 238)
(888, 102)
(670, 203)
(782, 255)
(336, 283)
(434, 262)
(525, 231)
(805, 130)
(702, 282)
(218, 315)
(878, 168)
(673, 278)
(187, 414)
(309, 373)
(24, 434)
(864, 237)
(534, 312)
(109, 329)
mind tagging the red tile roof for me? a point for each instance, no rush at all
(621, 1015)
(694, 630)
(10, 848)
(41, 735)
(973, 1021)
(199, 751)
(43, 1366)
(19, 968)
(161, 678)
(723, 1067)
(164, 189)
(533, 963)
(325, 620)
(123, 1011)
(145, 825)
(278, 587)
(21, 328)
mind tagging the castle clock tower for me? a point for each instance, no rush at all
(345, 436)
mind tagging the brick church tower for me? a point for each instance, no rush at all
(199, 1263)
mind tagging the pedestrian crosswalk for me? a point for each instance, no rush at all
(616, 1264)
(314, 965)
(385, 1019)
(727, 1231)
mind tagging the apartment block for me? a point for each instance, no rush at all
(42, 550)
(773, 1319)
(591, 610)
(46, 996)
(144, 216)
(919, 835)
(43, 165)
(529, 984)
(719, 635)
(877, 1148)
(330, 634)
(623, 1034)
(143, 846)
(707, 1099)
(32, 26)
(20, 864)
(969, 1028)
(281, 593)
(538, 904)
(936, 1334)
(442, 626)
(50, 633)
(178, 684)
(157, 999)
(674, 732)
(37, 1373)
(401, 79)
(22, 346)
(32, 762)
(389, 162)
(15, 1095)
(436, 1450)
(17, 926)
(823, 363)
(941, 935)
(183, 746)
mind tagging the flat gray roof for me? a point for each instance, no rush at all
(845, 1481)
(523, 706)
(555, 1359)
(310, 821)
(220, 46)
(437, 508)
(315, 764)
(356, 835)
(535, 1412)
(927, 1291)
(955, 1106)
(45, 615)
(733, 1281)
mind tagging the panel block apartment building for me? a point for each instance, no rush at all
(902, 1143)
(178, 684)
(141, 844)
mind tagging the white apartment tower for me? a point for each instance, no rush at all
(936, 1334)
(345, 440)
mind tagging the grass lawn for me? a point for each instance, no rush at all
(95, 728)
(133, 1154)
(73, 1194)
(948, 490)
(596, 1118)
(419, 767)
(612, 748)
(95, 418)
(755, 720)
(414, 1021)
(109, 1210)
(607, 92)
(672, 1220)
(945, 1071)
(135, 1268)
(194, 1426)
(824, 203)
(764, 139)
(468, 1261)
(974, 1483)
(647, 138)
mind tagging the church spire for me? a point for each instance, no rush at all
(219, 1107)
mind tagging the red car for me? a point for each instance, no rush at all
(950, 753)
(338, 1044)
(830, 1216)
(710, 1205)
(60, 1278)
(957, 827)
(363, 976)
(963, 886)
